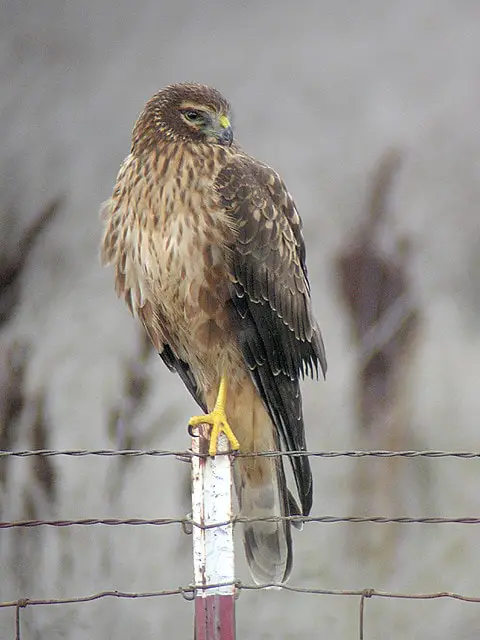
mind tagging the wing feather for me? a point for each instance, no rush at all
(270, 306)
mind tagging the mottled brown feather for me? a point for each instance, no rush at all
(208, 253)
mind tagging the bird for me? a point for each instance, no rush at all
(208, 253)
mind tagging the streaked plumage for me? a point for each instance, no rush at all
(208, 252)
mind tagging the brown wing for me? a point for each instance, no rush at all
(270, 300)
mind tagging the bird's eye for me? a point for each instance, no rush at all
(192, 116)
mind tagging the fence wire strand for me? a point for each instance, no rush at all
(188, 592)
(188, 522)
(187, 454)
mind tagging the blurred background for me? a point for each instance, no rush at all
(370, 111)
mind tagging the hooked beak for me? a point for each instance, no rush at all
(225, 136)
(224, 131)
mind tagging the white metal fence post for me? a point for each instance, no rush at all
(213, 547)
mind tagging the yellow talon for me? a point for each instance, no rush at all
(218, 419)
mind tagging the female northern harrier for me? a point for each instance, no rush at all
(208, 252)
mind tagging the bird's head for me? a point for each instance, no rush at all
(186, 112)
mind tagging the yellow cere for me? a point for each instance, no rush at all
(224, 122)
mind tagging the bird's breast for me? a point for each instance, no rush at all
(183, 248)
(169, 236)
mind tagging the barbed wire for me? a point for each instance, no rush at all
(189, 593)
(188, 523)
(187, 454)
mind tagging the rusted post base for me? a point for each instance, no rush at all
(215, 617)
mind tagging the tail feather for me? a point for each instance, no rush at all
(268, 545)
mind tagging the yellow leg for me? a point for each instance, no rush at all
(218, 419)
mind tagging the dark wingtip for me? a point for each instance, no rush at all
(306, 493)
(294, 510)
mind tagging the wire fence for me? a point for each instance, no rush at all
(189, 592)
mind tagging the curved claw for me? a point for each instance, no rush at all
(192, 431)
